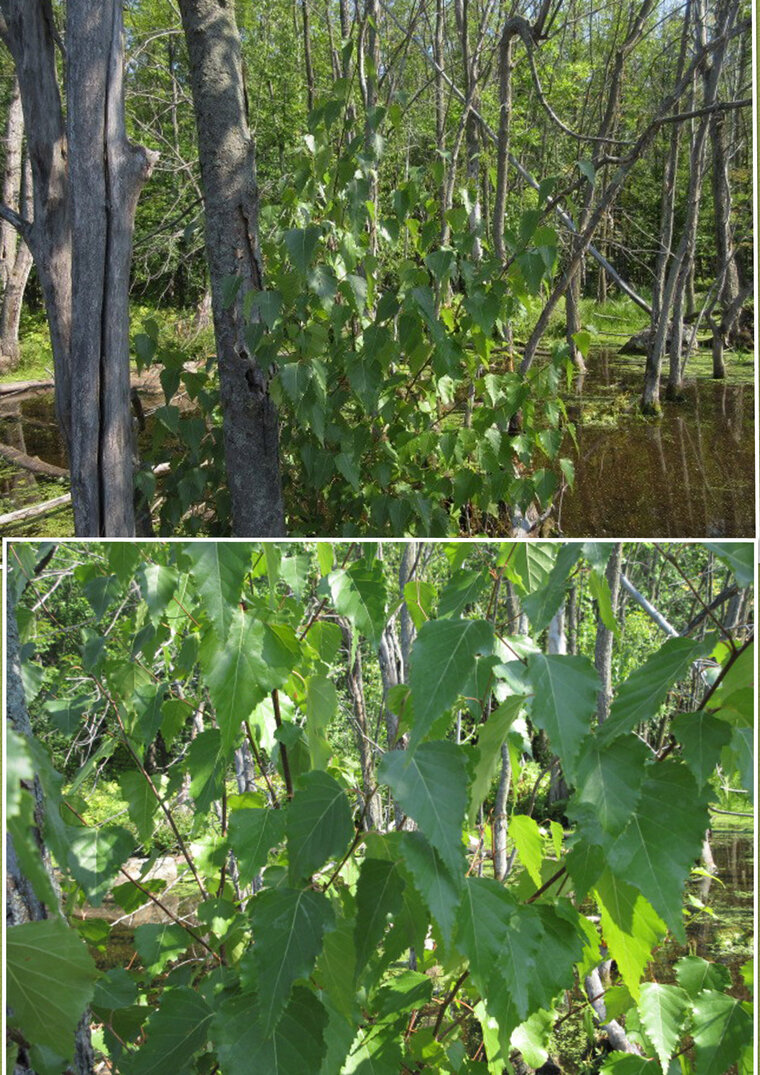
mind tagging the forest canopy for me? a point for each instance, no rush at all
(390, 808)
(410, 223)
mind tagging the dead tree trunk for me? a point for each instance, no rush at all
(107, 173)
(15, 256)
(228, 171)
(87, 178)
(18, 268)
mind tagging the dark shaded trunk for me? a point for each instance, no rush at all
(228, 171)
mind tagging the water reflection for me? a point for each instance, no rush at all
(687, 474)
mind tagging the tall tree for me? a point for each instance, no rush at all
(231, 200)
(87, 179)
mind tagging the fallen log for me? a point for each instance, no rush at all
(15, 388)
(35, 511)
(32, 463)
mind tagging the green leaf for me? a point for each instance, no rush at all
(287, 926)
(630, 925)
(739, 556)
(608, 782)
(319, 825)
(646, 688)
(116, 989)
(462, 589)
(218, 569)
(702, 737)
(432, 881)
(175, 1032)
(532, 1037)
(141, 802)
(420, 599)
(663, 1010)
(523, 831)
(431, 787)
(378, 900)
(600, 591)
(123, 558)
(491, 737)
(374, 1054)
(542, 605)
(626, 1064)
(441, 663)
(160, 943)
(586, 168)
(295, 1046)
(95, 856)
(358, 593)
(66, 713)
(695, 974)
(157, 585)
(722, 1028)
(501, 939)
(321, 707)
(336, 967)
(301, 244)
(664, 836)
(50, 978)
(268, 305)
(255, 659)
(230, 287)
(252, 834)
(565, 692)
(101, 592)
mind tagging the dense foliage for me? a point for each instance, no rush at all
(322, 943)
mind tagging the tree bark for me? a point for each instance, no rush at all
(15, 255)
(605, 638)
(18, 269)
(228, 171)
(31, 41)
(87, 178)
(355, 682)
(107, 173)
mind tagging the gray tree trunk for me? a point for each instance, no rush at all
(14, 139)
(107, 173)
(29, 36)
(724, 240)
(18, 269)
(87, 178)
(605, 637)
(228, 171)
(355, 682)
(681, 266)
(506, 66)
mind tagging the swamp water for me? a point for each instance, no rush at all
(689, 473)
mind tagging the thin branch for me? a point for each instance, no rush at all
(447, 1001)
(21, 224)
(283, 748)
(260, 763)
